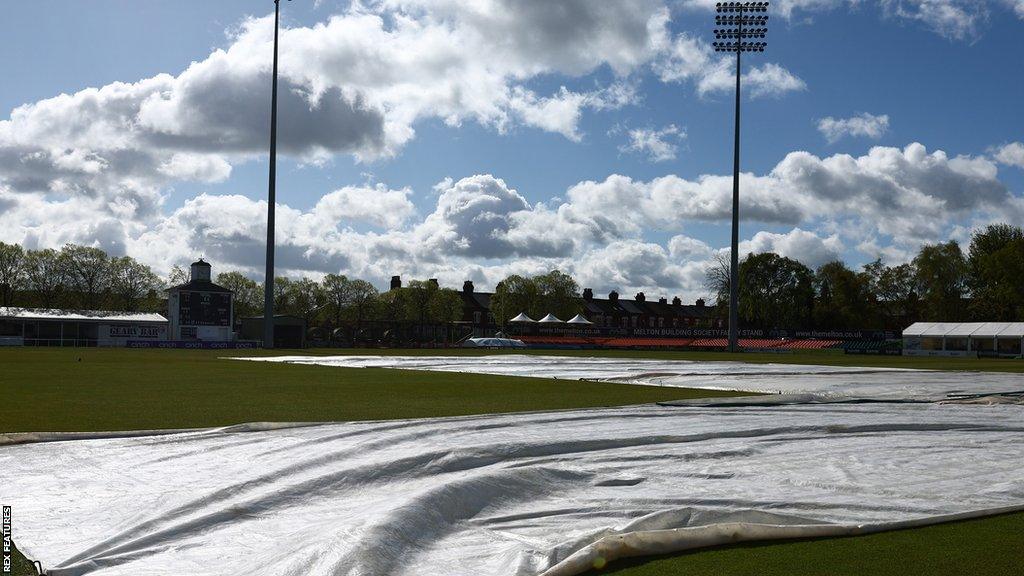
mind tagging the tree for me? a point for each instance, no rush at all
(941, 277)
(513, 295)
(282, 295)
(995, 275)
(47, 275)
(363, 299)
(775, 291)
(131, 281)
(248, 299)
(445, 306)
(12, 272)
(417, 300)
(305, 299)
(176, 277)
(893, 293)
(559, 294)
(841, 296)
(89, 273)
(717, 278)
(351, 298)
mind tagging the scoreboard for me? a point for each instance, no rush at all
(204, 308)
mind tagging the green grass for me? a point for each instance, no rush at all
(21, 566)
(53, 389)
(991, 546)
(64, 389)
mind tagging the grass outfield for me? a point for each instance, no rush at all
(50, 389)
(988, 546)
(97, 389)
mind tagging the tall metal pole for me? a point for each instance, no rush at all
(268, 283)
(734, 262)
(734, 32)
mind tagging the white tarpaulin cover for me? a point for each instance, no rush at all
(825, 381)
(493, 343)
(513, 494)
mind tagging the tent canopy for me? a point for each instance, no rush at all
(966, 329)
(522, 317)
(578, 319)
(551, 319)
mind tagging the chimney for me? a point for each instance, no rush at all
(700, 302)
(640, 297)
(588, 294)
(434, 282)
(676, 301)
(467, 286)
(200, 271)
(396, 282)
(613, 296)
(662, 300)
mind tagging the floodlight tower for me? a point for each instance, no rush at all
(737, 23)
(268, 279)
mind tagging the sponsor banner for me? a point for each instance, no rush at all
(193, 344)
(132, 332)
(616, 332)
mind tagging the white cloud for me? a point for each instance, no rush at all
(657, 145)
(1017, 6)
(802, 245)
(952, 19)
(1011, 154)
(863, 124)
(686, 58)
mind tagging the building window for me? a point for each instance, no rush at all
(636, 321)
(625, 322)
(650, 322)
(477, 317)
(661, 322)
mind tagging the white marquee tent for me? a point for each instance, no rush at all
(522, 317)
(1003, 338)
(578, 319)
(551, 319)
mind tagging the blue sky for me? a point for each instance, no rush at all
(943, 73)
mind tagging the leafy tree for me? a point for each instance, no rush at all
(282, 295)
(775, 291)
(559, 294)
(513, 295)
(893, 293)
(12, 272)
(841, 296)
(305, 299)
(89, 273)
(176, 277)
(445, 306)
(131, 281)
(941, 277)
(996, 273)
(248, 299)
(47, 276)
(354, 299)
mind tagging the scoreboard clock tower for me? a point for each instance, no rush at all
(200, 309)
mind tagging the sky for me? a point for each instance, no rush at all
(473, 139)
